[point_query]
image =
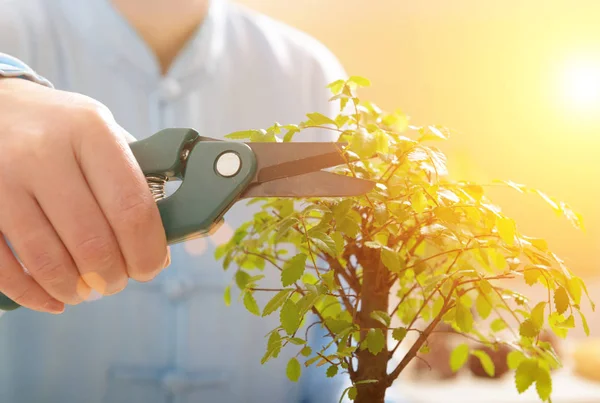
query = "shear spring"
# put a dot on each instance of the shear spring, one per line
(157, 184)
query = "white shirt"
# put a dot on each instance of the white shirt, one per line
(172, 340)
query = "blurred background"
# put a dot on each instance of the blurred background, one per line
(519, 84)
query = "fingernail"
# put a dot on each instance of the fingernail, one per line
(55, 306)
(168, 260)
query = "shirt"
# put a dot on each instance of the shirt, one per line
(172, 340)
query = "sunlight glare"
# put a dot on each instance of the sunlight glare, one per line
(582, 86)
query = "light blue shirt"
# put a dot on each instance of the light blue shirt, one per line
(172, 340)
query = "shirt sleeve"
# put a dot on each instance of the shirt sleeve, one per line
(13, 67)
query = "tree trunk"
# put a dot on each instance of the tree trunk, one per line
(374, 297)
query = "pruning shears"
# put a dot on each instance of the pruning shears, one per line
(215, 174)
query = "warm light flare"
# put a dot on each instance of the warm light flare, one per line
(582, 86)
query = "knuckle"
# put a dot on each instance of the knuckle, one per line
(136, 210)
(46, 267)
(97, 251)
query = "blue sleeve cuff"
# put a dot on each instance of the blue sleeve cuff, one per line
(13, 67)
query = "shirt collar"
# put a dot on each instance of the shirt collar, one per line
(116, 42)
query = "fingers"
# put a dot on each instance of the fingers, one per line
(17, 285)
(122, 193)
(81, 225)
(40, 249)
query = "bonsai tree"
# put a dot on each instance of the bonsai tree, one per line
(418, 252)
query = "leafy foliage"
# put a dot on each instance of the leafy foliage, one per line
(419, 250)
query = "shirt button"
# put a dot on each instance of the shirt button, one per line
(169, 89)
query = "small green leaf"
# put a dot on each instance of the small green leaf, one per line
(543, 384)
(293, 269)
(250, 304)
(241, 279)
(531, 276)
(399, 333)
(574, 287)
(375, 341)
(486, 362)
(352, 393)
(528, 329)
(537, 315)
(324, 242)
(276, 302)
(561, 300)
(320, 119)
(484, 308)
(464, 318)
(293, 370)
(514, 358)
(360, 81)
(244, 134)
(506, 230)
(332, 371)
(306, 351)
(498, 325)
(363, 143)
(584, 323)
(459, 357)
(336, 86)
(227, 295)
(380, 214)
(526, 374)
(381, 317)
(418, 201)
(289, 317)
(391, 260)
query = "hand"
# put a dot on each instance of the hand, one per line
(74, 205)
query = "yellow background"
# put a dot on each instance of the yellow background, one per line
(495, 73)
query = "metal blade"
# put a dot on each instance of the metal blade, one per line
(312, 184)
(281, 160)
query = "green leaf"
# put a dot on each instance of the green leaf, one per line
(332, 371)
(250, 304)
(324, 242)
(227, 295)
(363, 143)
(336, 86)
(381, 317)
(486, 362)
(320, 119)
(526, 374)
(391, 260)
(543, 383)
(284, 226)
(381, 214)
(349, 227)
(289, 317)
(506, 230)
(244, 134)
(459, 357)
(293, 269)
(531, 276)
(537, 315)
(528, 329)
(276, 302)
(432, 133)
(293, 370)
(484, 308)
(568, 323)
(352, 392)
(375, 341)
(241, 279)
(360, 81)
(464, 318)
(554, 320)
(306, 351)
(399, 333)
(584, 323)
(514, 359)
(418, 201)
(561, 300)
(574, 287)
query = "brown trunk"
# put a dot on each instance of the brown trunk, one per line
(374, 297)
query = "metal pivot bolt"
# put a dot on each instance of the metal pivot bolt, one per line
(228, 164)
